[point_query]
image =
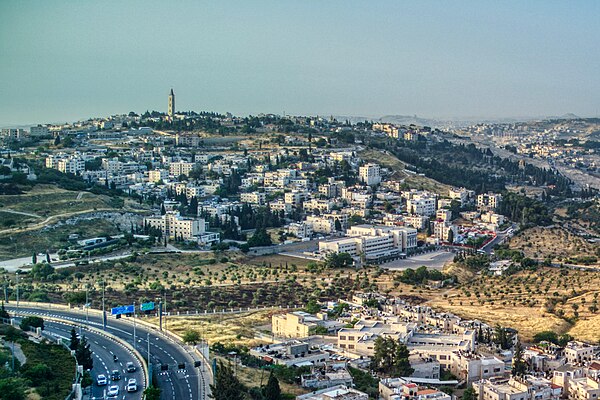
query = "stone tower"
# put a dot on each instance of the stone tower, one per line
(171, 110)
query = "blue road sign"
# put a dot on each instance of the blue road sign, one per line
(147, 306)
(122, 310)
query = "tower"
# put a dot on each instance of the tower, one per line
(171, 110)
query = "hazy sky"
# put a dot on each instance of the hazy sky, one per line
(65, 60)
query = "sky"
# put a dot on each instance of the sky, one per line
(64, 60)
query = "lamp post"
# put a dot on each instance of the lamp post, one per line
(103, 308)
(149, 361)
(134, 325)
(17, 312)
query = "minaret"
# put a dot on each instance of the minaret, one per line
(171, 110)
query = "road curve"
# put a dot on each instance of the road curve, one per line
(175, 383)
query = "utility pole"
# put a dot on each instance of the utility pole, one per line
(103, 308)
(17, 312)
(149, 361)
(134, 325)
(87, 303)
(160, 312)
(165, 306)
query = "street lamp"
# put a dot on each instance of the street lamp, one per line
(17, 312)
(103, 307)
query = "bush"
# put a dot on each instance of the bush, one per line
(32, 322)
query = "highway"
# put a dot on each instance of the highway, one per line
(174, 383)
(103, 350)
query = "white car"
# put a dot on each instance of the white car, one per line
(132, 385)
(113, 391)
(101, 380)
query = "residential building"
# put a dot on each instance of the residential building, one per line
(181, 168)
(488, 201)
(369, 174)
(292, 353)
(253, 198)
(299, 324)
(157, 175)
(340, 392)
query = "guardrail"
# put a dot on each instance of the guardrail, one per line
(165, 333)
(96, 331)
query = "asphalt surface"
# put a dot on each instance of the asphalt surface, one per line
(175, 383)
(103, 351)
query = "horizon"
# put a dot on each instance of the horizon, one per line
(465, 61)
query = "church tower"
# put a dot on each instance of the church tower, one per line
(171, 110)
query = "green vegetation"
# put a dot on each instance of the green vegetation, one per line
(49, 368)
(191, 336)
(338, 260)
(552, 337)
(391, 357)
(421, 275)
(31, 322)
(365, 382)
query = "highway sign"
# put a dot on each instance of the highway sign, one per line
(147, 306)
(122, 310)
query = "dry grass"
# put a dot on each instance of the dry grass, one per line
(529, 301)
(238, 329)
(556, 243)
(397, 167)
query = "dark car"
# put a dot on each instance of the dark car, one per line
(115, 375)
(130, 367)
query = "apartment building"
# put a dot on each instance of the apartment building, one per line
(253, 198)
(579, 352)
(340, 392)
(292, 353)
(66, 163)
(424, 206)
(526, 388)
(401, 389)
(375, 243)
(181, 168)
(298, 324)
(321, 224)
(173, 225)
(300, 230)
(369, 174)
(157, 175)
(460, 194)
(488, 201)
(39, 130)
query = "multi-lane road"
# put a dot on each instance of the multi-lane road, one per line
(175, 383)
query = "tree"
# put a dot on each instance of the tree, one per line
(391, 357)
(32, 322)
(191, 336)
(42, 271)
(519, 365)
(260, 238)
(450, 236)
(548, 336)
(272, 391)
(152, 393)
(469, 394)
(338, 260)
(34, 258)
(74, 344)
(312, 307)
(83, 354)
(3, 313)
(227, 386)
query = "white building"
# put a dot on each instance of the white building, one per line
(340, 392)
(488, 201)
(370, 174)
(181, 168)
(253, 198)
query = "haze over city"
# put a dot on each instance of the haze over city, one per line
(64, 60)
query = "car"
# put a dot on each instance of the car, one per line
(115, 375)
(113, 391)
(131, 385)
(101, 380)
(131, 367)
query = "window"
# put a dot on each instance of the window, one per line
(342, 337)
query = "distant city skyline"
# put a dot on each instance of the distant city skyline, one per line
(64, 61)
